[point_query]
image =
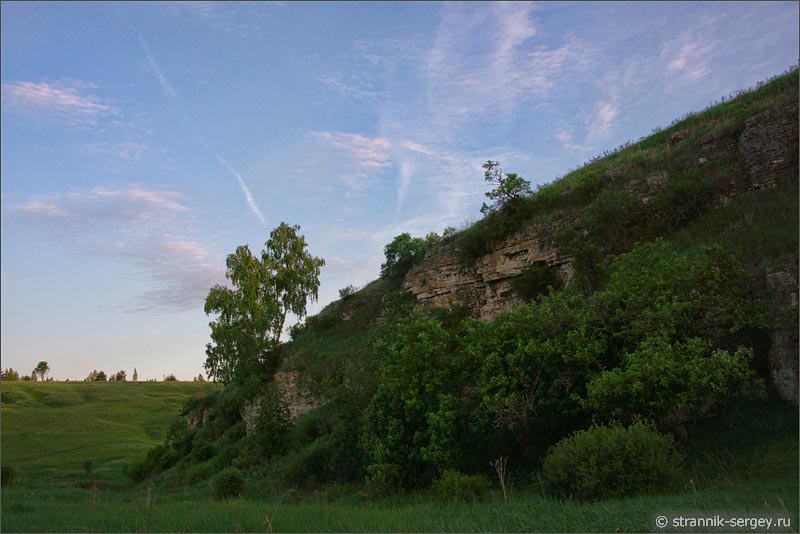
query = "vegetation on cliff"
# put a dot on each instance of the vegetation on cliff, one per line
(660, 334)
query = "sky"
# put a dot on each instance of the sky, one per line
(142, 142)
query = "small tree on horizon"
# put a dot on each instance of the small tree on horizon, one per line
(135, 375)
(41, 369)
(96, 376)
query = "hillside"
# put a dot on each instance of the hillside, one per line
(725, 176)
(638, 313)
(50, 428)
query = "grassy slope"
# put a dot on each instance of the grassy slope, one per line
(50, 428)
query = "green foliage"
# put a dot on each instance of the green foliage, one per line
(587, 259)
(509, 188)
(7, 475)
(403, 253)
(612, 461)
(250, 317)
(228, 483)
(119, 376)
(272, 421)
(534, 362)
(454, 485)
(41, 369)
(96, 376)
(408, 420)
(10, 375)
(347, 291)
(536, 279)
(657, 290)
(673, 383)
(610, 217)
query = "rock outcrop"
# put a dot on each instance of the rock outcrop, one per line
(299, 400)
(782, 287)
(485, 287)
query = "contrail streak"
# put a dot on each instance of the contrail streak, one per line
(163, 81)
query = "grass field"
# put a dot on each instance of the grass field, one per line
(50, 429)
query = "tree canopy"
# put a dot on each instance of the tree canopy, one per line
(509, 187)
(251, 315)
(41, 369)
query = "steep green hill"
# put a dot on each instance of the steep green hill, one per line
(657, 283)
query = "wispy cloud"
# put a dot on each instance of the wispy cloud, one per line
(146, 228)
(66, 100)
(602, 120)
(687, 58)
(224, 16)
(367, 152)
(506, 72)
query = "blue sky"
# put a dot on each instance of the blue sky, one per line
(143, 142)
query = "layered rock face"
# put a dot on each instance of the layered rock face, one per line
(442, 280)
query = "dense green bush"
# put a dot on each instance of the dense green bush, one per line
(610, 217)
(673, 383)
(272, 422)
(411, 421)
(534, 362)
(611, 461)
(227, 483)
(458, 486)
(657, 290)
(403, 253)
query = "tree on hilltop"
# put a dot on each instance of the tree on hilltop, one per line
(508, 187)
(41, 369)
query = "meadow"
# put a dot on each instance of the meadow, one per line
(50, 429)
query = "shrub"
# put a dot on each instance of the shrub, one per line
(272, 421)
(458, 486)
(673, 383)
(403, 253)
(7, 475)
(198, 472)
(382, 479)
(228, 483)
(347, 291)
(404, 424)
(611, 461)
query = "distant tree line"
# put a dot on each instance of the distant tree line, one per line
(43, 368)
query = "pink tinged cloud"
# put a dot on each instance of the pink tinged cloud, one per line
(368, 152)
(65, 99)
